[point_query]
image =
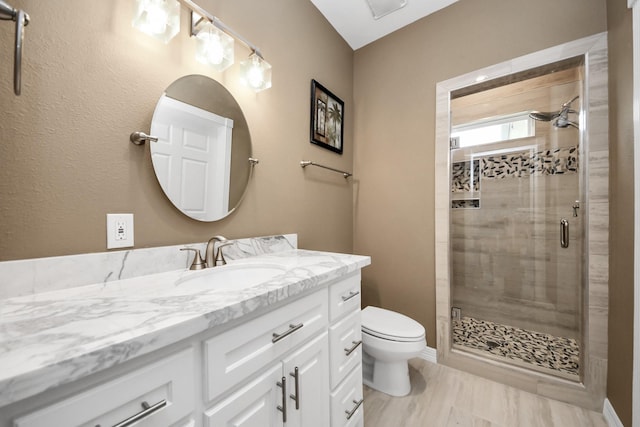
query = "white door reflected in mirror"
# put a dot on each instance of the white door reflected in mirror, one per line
(192, 158)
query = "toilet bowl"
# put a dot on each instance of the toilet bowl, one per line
(389, 340)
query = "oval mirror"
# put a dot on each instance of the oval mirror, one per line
(201, 158)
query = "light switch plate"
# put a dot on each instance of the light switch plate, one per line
(119, 231)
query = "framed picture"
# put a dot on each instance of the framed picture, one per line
(327, 118)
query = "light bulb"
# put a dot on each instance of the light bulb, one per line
(155, 21)
(157, 18)
(215, 53)
(214, 47)
(256, 73)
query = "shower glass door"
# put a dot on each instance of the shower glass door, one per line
(517, 222)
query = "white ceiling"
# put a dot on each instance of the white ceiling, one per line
(354, 21)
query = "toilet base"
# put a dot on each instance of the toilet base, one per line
(391, 378)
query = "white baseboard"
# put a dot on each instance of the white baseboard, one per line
(429, 354)
(610, 415)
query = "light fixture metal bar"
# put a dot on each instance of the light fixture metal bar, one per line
(217, 23)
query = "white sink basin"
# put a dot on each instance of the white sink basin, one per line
(229, 277)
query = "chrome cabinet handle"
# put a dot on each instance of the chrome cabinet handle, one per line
(353, 411)
(283, 408)
(351, 295)
(564, 233)
(296, 397)
(352, 349)
(292, 329)
(146, 411)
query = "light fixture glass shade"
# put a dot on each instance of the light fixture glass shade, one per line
(157, 18)
(214, 47)
(256, 72)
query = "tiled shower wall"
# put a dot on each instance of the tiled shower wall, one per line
(507, 263)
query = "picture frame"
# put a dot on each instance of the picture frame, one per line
(327, 118)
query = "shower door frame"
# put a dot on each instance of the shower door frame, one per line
(635, 398)
(591, 390)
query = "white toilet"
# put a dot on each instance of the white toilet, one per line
(389, 340)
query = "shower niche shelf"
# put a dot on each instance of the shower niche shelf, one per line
(465, 203)
(465, 185)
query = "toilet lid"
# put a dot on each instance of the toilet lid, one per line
(390, 325)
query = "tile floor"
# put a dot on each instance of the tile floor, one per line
(446, 397)
(527, 348)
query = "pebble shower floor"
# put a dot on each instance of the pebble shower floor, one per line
(518, 345)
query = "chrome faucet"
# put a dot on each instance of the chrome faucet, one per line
(212, 261)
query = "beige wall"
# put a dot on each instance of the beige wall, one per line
(394, 95)
(90, 80)
(619, 378)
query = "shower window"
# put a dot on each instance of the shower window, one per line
(495, 129)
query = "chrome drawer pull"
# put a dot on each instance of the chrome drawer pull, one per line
(351, 295)
(146, 411)
(353, 411)
(296, 397)
(352, 349)
(283, 408)
(292, 329)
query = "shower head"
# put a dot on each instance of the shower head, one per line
(543, 116)
(561, 117)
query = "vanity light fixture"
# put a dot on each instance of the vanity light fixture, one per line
(157, 18)
(256, 72)
(161, 18)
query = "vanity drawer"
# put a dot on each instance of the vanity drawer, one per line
(165, 388)
(347, 408)
(345, 347)
(237, 354)
(344, 297)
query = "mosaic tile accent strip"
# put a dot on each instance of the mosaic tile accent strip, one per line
(461, 177)
(521, 165)
(465, 204)
(535, 348)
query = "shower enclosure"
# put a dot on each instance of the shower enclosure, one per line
(516, 227)
(521, 222)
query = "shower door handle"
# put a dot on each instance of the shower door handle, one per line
(564, 233)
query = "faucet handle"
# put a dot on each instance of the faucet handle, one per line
(198, 262)
(219, 260)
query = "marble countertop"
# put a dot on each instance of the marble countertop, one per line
(53, 338)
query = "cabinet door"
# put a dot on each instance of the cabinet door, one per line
(254, 405)
(308, 403)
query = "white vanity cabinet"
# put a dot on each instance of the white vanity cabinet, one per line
(295, 365)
